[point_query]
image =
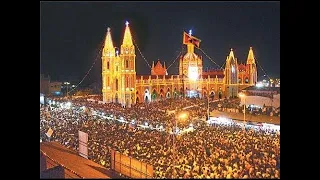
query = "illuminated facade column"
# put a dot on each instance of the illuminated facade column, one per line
(252, 68)
(128, 70)
(231, 76)
(108, 57)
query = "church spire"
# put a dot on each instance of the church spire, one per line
(108, 44)
(127, 39)
(231, 55)
(251, 59)
(108, 41)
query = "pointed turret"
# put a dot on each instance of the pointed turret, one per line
(127, 39)
(231, 75)
(152, 64)
(164, 65)
(252, 67)
(108, 44)
(231, 55)
(251, 59)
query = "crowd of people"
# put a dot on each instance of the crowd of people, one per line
(210, 151)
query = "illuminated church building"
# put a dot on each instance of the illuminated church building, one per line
(121, 84)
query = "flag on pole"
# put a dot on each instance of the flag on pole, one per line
(187, 38)
(49, 132)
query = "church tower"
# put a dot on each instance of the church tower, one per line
(108, 63)
(190, 64)
(231, 75)
(252, 68)
(127, 80)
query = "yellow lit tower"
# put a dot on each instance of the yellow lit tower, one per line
(190, 64)
(128, 70)
(108, 60)
(231, 75)
(252, 68)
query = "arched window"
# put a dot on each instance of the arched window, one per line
(127, 63)
(116, 84)
(108, 65)
(127, 82)
(247, 80)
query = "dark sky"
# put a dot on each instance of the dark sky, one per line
(71, 33)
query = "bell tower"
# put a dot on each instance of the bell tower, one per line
(251, 64)
(127, 79)
(231, 75)
(108, 61)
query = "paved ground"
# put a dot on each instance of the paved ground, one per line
(249, 117)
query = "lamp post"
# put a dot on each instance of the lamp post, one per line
(67, 83)
(242, 95)
(208, 111)
(180, 117)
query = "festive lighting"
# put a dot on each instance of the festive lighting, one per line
(259, 84)
(183, 116)
(193, 73)
(242, 95)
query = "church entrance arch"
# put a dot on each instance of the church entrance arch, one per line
(147, 95)
(154, 95)
(168, 95)
(212, 95)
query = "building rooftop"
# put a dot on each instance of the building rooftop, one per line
(70, 159)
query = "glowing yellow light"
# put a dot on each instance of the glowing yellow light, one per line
(183, 116)
(242, 95)
(193, 73)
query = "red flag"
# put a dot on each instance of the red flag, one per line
(187, 38)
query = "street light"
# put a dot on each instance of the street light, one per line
(67, 83)
(181, 116)
(242, 95)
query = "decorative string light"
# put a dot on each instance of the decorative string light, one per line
(262, 68)
(208, 57)
(101, 47)
(141, 53)
(174, 60)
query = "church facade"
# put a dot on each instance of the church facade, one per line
(121, 84)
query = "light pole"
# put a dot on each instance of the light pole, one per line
(67, 83)
(208, 111)
(180, 117)
(242, 95)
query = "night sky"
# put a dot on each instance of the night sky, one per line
(72, 33)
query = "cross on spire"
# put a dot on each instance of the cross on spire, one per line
(190, 32)
(127, 23)
(108, 29)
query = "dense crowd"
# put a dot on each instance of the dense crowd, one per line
(215, 151)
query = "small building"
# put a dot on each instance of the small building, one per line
(55, 88)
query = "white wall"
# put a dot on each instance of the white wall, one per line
(259, 101)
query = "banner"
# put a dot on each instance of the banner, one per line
(49, 132)
(187, 38)
(83, 144)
